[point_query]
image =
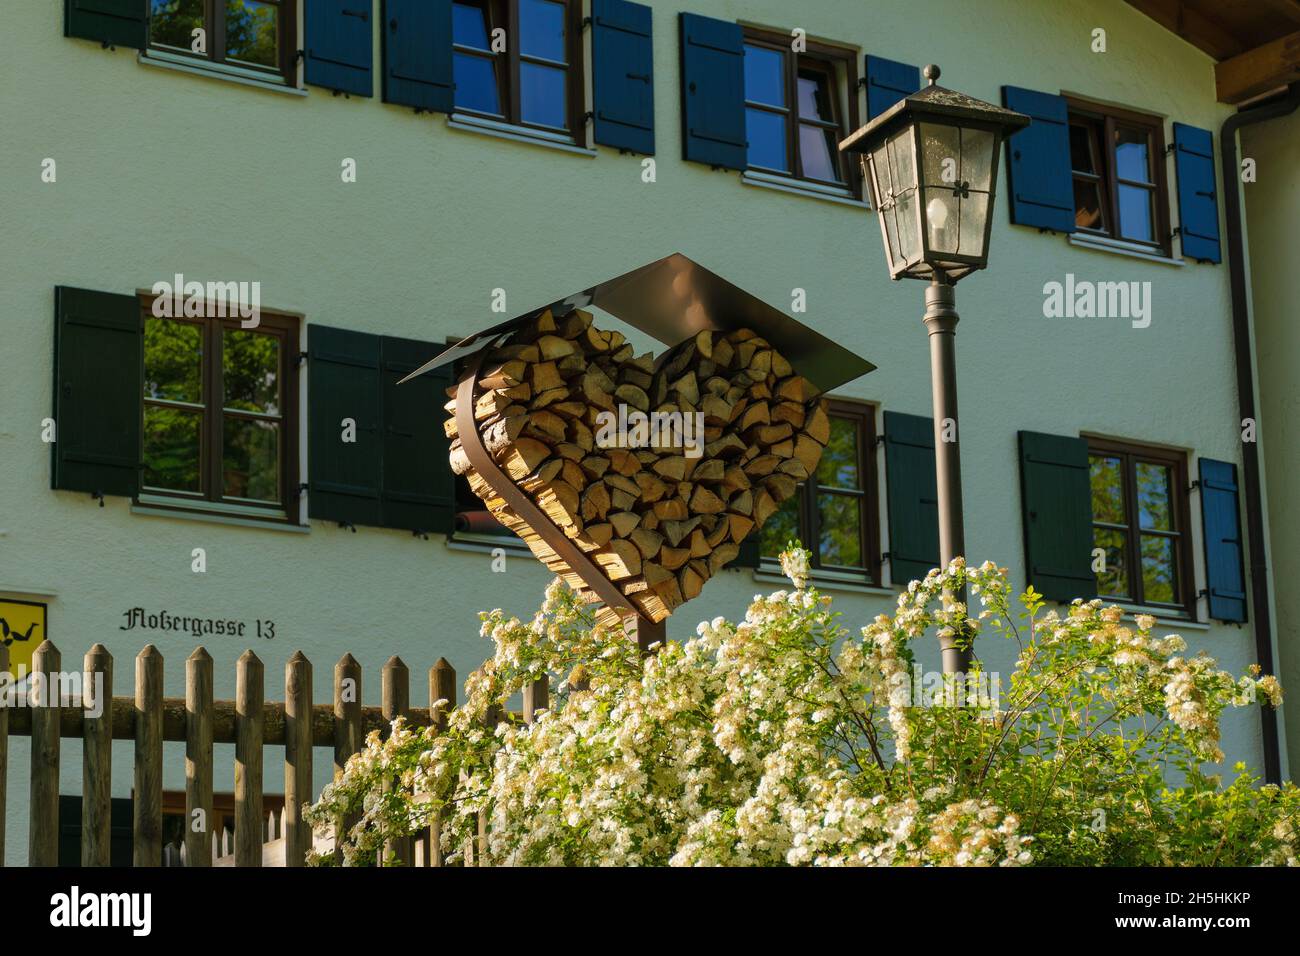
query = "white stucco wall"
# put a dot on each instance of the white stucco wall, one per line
(1272, 205)
(160, 173)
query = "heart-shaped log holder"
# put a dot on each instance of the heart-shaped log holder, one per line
(640, 529)
(582, 450)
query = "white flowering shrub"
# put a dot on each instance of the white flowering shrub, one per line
(787, 738)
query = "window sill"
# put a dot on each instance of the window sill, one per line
(798, 187)
(518, 134)
(486, 544)
(161, 507)
(770, 574)
(1120, 247)
(1165, 617)
(217, 71)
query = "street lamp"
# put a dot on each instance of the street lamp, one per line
(931, 165)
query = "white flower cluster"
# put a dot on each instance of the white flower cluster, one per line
(780, 739)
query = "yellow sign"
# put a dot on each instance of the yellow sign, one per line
(22, 628)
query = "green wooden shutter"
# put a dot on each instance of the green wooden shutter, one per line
(913, 496)
(98, 384)
(121, 823)
(713, 92)
(112, 22)
(1225, 572)
(418, 487)
(751, 551)
(1057, 501)
(343, 381)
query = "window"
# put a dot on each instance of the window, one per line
(1118, 166)
(220, 406)
(835, 515)
(536, 80)
(256, 35)
(1140, 522)
(794, 118)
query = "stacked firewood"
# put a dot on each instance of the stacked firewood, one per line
(656, 520)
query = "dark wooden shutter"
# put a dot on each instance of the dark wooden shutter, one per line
(418, 487)
(339, 45)
(713, 92)
(121, 833)
(98, 389)
(1198, 202)
(1225, 576)
(913, 496)
(115, 22)
(1057, 501)
(751, 550)
(622, 53)
(417, 54)
(343, 381)
(1038, 165)
(888, 81)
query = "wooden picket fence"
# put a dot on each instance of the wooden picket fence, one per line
(249, 722)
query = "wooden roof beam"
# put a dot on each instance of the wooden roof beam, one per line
(1192, 25)
(1257, 71)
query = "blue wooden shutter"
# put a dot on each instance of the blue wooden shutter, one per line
(1038, 166)
(343, 381)
(622, 53)
(1198, 203)
(888, 81)
(418, 487)
(417, 54)
(115, 22)
(713, 92)
(1225, 576)
(339, 45)
(913, 496)
(1056, 496)
(98, 389)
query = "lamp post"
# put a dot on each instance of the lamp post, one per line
(931, 166)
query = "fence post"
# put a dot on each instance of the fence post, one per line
(97, 758)
(537, 696)
(395, 701)
(347, 723)
(198, 759)
(442, 687)
(4, 755)
(43, 825)
(148, 757)
(297, 758)
(490, 721)
(250, 693)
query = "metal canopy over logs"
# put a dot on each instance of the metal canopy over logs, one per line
(674, 299)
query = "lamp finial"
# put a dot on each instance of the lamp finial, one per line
(931, 73)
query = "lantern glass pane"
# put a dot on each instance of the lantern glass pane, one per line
(909, 246)
(884, 181)
(942, 218)
(974, 220)
(940, 154)
(977, 150)
(901, 152)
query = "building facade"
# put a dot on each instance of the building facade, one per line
(382, 178)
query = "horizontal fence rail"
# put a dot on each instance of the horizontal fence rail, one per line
(249, 722)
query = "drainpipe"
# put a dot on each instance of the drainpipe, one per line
(1241, 340)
